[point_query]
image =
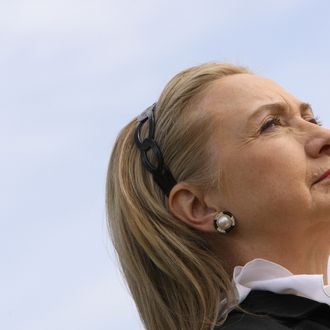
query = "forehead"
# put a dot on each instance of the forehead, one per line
(241, 94)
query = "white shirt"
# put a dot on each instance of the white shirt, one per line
(261, 274)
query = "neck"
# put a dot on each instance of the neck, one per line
(309, 256)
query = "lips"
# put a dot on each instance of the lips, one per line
(323, 176)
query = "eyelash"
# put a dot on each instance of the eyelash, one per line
(276, 120)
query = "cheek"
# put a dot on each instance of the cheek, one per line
(267, 181)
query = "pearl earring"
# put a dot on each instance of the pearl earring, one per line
(224, 222)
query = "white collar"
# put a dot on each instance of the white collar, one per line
(261, 274)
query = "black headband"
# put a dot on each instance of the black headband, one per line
(159, 170)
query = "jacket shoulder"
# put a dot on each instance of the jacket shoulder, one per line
(237, 320)
(271, 311)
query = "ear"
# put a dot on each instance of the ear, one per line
(188, 205)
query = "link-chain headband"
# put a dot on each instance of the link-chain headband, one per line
(159, 171)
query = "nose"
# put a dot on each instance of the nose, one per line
(318, 142)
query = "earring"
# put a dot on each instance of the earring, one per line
(224, 222)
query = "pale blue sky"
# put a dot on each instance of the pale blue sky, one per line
(72, 73)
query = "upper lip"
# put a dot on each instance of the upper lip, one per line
(323, 176)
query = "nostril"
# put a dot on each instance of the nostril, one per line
(325, 149)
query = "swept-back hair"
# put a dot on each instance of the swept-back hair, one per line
(175, 278)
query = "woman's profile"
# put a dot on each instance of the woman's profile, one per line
(218, 199)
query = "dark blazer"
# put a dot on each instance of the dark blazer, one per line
(281, 312)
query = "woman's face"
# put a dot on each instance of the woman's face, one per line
(271, 152)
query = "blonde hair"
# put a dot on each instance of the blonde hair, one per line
(176, 280)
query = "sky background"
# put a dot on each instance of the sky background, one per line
(72, 74)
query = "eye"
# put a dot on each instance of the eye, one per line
(315, 121)
(272, 122)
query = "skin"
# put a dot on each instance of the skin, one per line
(268, 174)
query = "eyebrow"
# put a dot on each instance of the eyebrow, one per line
(281, 107)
